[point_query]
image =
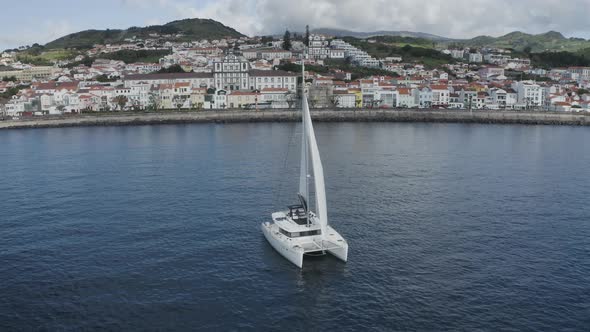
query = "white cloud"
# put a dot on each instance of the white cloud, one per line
(452, 18)
(449, 18)
(48, 31)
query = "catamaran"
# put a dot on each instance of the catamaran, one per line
(298, 231)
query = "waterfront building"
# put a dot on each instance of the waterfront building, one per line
(529, 94)
(440, 95)
(231, 73)
(195, 79)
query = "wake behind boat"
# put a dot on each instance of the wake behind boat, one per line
(298, 231)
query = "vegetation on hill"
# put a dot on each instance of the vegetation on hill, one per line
(549, 41)
(344, 33)
(188, 29)
(6, 95)
(559, 59)
(129, 56)
(431, 58)
(40, 56)
(403, 41)
(356, 72)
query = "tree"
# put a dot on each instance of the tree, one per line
(527, 50)
(266, 39)
(121, 101)
(313, 102)
(291, 99)
(104, 78)
(287, 41)
(335, 101)
(306, 40)
(179, 101)
(348, 61)
(172, 69)
(154, 103)
(9, 79)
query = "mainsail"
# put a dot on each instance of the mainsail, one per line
(310, 149)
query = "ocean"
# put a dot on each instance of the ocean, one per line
(450, 226)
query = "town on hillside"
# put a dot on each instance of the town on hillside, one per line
(157, 73)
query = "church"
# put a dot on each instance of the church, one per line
(234, 72)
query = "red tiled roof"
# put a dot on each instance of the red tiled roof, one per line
(243, 93)
(274, 90)
(404, 91)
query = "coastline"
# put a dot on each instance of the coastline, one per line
(245, 116)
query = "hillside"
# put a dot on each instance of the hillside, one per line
(413, 51)
(517, 40)
(191, 29)
(549, 41)
(348, 33)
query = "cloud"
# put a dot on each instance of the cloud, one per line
(452, 18)
(49, 30)
(449, 18)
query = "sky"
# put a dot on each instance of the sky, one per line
(25, 22)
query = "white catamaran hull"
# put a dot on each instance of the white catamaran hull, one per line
(294, 255)
(294, 249)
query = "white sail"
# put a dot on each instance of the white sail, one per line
(304, 170)
(316, 164)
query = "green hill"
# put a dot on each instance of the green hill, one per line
(190, 29)
(549, 41)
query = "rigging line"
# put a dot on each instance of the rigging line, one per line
(278, 191)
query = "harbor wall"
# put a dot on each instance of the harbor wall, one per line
(241, 116)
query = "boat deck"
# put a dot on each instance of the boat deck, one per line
(315, 246)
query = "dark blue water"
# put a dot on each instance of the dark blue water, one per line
(451, 227)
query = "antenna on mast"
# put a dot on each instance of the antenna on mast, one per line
(303, 66)
(304, 56)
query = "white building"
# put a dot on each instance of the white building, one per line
(489, 72)
(344, 99)
(425, 97)
(582, 72)
(457, 54)
(272, 79)
(475, 57)
(336, 53)
(407, 98)
(231, 73)
(440, 95)
(529, 94)
(318, 46)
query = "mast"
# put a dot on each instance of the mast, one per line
(304, 169)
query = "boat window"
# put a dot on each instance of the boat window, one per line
(311, 233)
(299, 234)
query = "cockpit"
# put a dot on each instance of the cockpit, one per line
(298, 214)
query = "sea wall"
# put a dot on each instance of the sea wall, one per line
(445, 116)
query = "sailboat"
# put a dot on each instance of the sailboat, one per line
(298, 231)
